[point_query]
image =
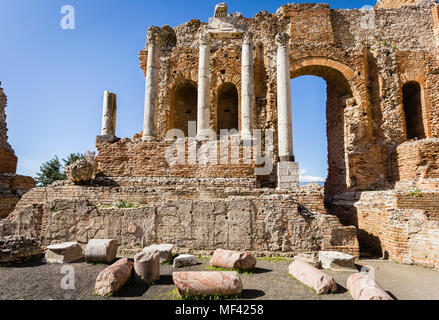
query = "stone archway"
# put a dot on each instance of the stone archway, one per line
(227, 107)
(348, 118)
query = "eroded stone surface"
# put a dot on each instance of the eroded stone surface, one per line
(64, 252)
(147, 266)
(82, 170)
(233, 260)
(184, 260)
(111, 279)
(312, 277)
(164, 249)
(336, 260)
(363, 287)
(101, 250)
(207, 283)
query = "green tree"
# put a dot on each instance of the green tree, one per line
(53, 170)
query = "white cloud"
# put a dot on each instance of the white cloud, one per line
(303, 177)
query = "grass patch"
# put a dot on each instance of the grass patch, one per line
(416, 193)
(240, 271)
(125, 205)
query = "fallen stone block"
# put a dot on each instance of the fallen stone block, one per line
(312, 277)
(147, 266)
(111, 279)
(101, 250)
(362, 287)
(208, 283)
(64, 252)
(336, 260)
(164, 249)
(311, 258)
(184, 260)
(233, 260)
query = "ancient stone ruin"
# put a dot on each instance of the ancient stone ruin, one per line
(12, 186)
(204, 79)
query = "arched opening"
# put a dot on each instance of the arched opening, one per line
(414, 122)
(338, 92)
(183, 106)
(227, 107)
(309, 128)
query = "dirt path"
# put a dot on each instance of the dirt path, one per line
(270, 280)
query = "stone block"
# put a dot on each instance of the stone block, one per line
(101, 250)
(64, 252)
(362, 287)
(147, 266)
(233, 260)
(336, 261)
(164, 249)
(208, 283)
(111, 279)
(184, 260)
(312, 277)
(288, 175)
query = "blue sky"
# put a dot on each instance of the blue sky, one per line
(55, 78)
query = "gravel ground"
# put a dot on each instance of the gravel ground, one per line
(270, 281)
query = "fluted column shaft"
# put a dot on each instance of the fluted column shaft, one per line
(203, 105)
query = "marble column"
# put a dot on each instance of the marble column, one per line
(287, 169)
(284, 118)
(151, 87)
(247, 87)
(109, 114)
(203, 105)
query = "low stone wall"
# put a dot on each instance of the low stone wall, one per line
(401, 226)
(12, 187)
(17, 249)
(239, 219)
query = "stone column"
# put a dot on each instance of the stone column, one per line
(151, 88)
(247, 87)
(109, 114)
(203, 105)
(287, 170)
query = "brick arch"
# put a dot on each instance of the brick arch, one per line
(183, 106)
(235, 112)
(419, 78)
(349, 122)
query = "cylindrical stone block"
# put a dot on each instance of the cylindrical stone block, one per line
(285, 127)
(312, 277)
(362, 287)
(109, 110)
(147, 266)
(233, 260)
(208, 283)
(111, 279)
(247, 87)
(203, 106)
(101, 250)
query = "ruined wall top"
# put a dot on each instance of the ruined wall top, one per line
(387, 4)
(3, 129)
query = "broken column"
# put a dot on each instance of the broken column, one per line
(287, 170)
(151, 88)
(247, 87)
(111, 279)
(207, 283)
(203, 108)
(109, 109)
(233, 260)
(312, 277)
(147, 266)
(362, 287)
(101, 250)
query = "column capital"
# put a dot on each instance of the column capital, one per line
(151, 36)
(247, 38)
(204, 38)
(282, 39)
